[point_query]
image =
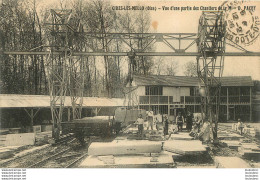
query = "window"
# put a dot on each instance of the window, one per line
(153, 90)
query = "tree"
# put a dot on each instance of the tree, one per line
(164, 66)
(137, 22)
(190, 69)
(21, 30)
(171, 69)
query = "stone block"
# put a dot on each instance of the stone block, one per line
(124, 147)
(183, 147)
(230, 162)
(20, 139)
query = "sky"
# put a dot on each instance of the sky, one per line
(186, 21)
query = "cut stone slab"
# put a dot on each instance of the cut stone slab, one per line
(45, 128)
(156, 138)
(251, 155)
(129, 161)
(124, 147)
(251, 146)
(229, 136)
(121, 138)
(248, 147)
(4, 131)
(2, 140)
(250, 151)
(197, 166)
(107, 159)
(20, 139)
(232, 144)
(181, 136)
(14, 130)
(256, 165)
(173, 155)
(194, 147)
(249, 131)
(230, 162)
(37, 129)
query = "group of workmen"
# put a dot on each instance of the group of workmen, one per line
(152, 120)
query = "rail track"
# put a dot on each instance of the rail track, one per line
(62, 154)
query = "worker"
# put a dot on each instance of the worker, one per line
(240, 126)
(179, 121)
(196, 127)
(165, 125)
(56, 132)
(150, 119)
(189, 121)
(197, 124)
(157, 121)
(140, 123)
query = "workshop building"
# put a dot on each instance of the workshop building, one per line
(170, 94)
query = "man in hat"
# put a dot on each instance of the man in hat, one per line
(189, 121)
(179, 121)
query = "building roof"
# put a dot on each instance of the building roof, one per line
(165, 80)
(43, 101)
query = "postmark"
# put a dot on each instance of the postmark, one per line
(242, 22)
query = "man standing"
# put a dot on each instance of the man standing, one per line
(179, 121)
(150, 119)
(189, 121)
(165, 125)
(140, 123)
(240, 126)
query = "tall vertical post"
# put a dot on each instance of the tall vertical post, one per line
(211, 41)
(64, 72)
(250, 104)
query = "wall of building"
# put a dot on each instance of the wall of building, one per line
(235, 102)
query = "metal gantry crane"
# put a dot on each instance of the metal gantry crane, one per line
(69, 46)
(211, 42)
(65, 72)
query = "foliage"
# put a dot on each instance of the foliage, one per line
(190, 69)
(23, 28)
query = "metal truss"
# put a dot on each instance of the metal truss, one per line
(64, 71)
(211, 42)
(69, 46)
(174, 44)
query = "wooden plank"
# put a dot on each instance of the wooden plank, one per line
(230, 162)
(124, 147)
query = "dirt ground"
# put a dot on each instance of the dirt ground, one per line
(202, 161)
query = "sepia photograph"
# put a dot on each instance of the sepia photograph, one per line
(129, 84)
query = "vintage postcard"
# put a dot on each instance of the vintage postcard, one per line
(129, 84)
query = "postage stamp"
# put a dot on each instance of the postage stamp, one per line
(242, 22)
